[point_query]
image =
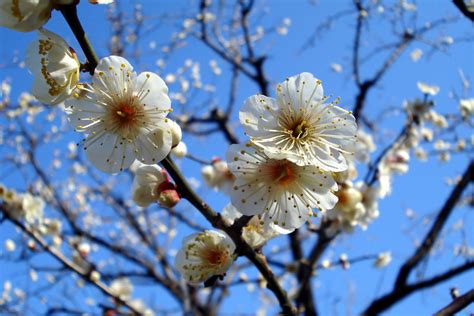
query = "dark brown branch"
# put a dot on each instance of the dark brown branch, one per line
(385, 302)
(429, 240)
(401, 287)
(70, 14)
(305, 297)
(457, 305)
(461, 5)
(307, 266)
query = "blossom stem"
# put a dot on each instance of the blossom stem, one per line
(70, 14)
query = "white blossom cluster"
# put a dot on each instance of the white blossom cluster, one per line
(296, 141)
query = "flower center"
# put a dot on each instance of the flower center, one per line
(282, 172)
(300, 129)
(215, 256)
(125, 117)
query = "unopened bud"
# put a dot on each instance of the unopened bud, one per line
(84, 249)
(168, 195)
(180, 150)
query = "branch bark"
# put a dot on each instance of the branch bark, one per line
(461, 5)
(457, 305)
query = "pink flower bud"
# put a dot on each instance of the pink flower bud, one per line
(168, 195)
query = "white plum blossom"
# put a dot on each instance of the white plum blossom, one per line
(357, 206)
(122, 288)
(277, 190)
(383, 259)
(24, 15)
(437, 119)
(10, 245)
(254, 233)
(145, 184)
(218, 176)
(395, 161)
(349, 208)
(416, 54)
(370, 197)
(418, 107)
(362, 147)
(55, 67)
(203, 255)
(427, 89)
(299, 124)
(141, 307)
(25, 206)
(124, 116)
(466, 106)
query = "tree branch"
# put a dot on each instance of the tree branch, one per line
(461, 5)
(457, 305)
(429, 240)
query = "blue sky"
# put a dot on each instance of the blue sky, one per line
(423, 189)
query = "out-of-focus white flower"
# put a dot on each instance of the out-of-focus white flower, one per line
(326, 264)
(383, 259)
(55, 67)
(461, 145)
(10, 245)
(427, 89)
(418, 107)
(282, 30)
(343, 260)
(203, 255)
(362, 147)
(444, 156)
(218, 176)
(254, 233)
(145, 184)
(278, 190)
(336, 67)
(447, 40)
(437, 119)
(427, 134)
(300, 125)
(32, 207)
(441, 145)
(180, 150)
(122, 288)
(421, 154)
(395, 161)
(412, 138)
(407, 6)
(84, 249)
(416, 54)
(466, 106)
(357, 206)
(141, 307)
(349, 207)
(33, 275)
(52, 226)
(124, 116)
(24, 15)
(95, 276)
